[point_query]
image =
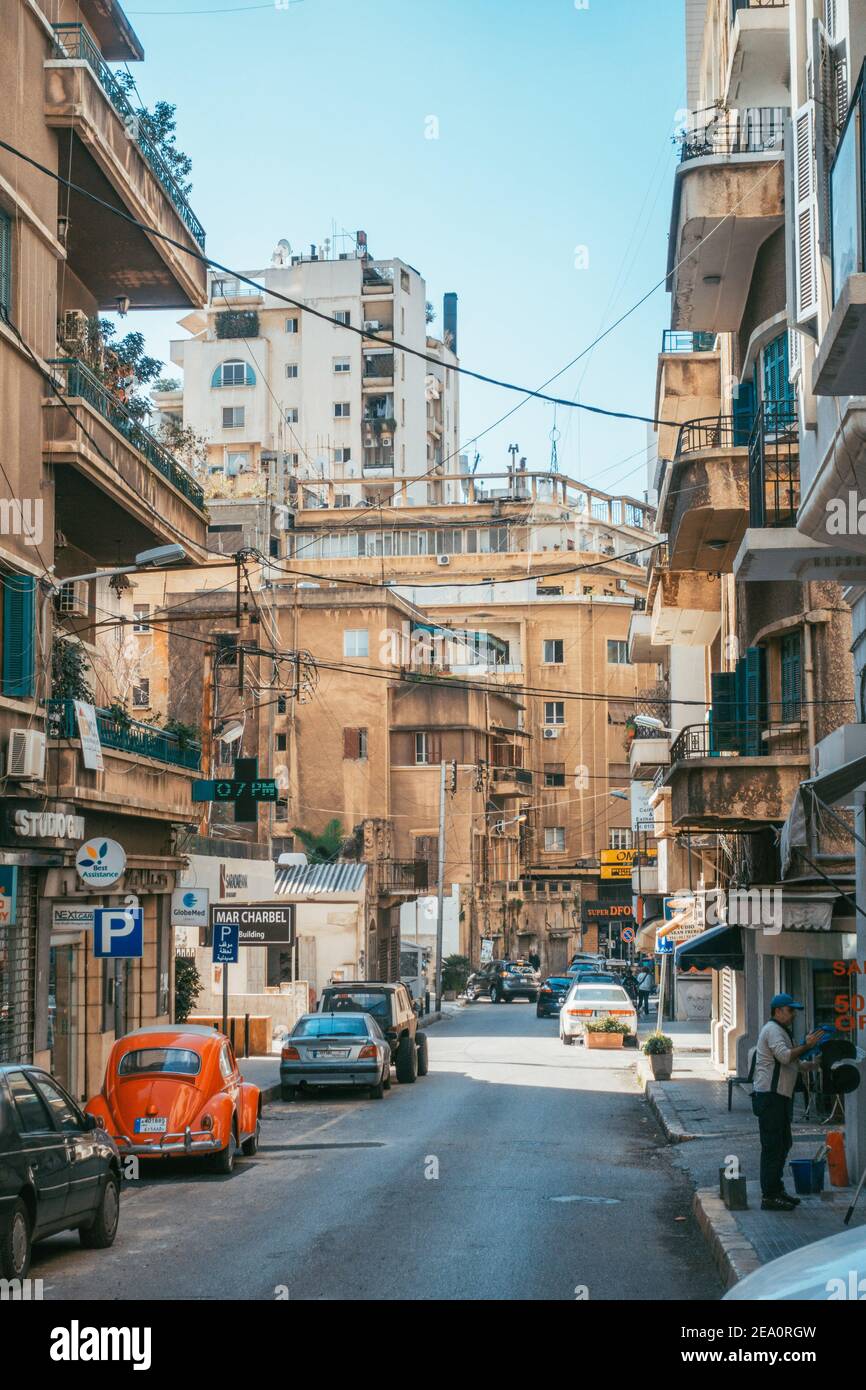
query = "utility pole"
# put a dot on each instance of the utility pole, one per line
(440, 891)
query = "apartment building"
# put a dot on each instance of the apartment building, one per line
(750, 601)
(86, 488)
(299, 381)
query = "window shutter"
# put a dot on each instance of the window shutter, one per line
(19, 636)
(805, 217)
(744, 406)
(795, 356)
(351, 743)
(5, 261)
(434, 748)
(723, 712)
(752, 700)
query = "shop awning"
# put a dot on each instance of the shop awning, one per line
(829, 789)
(712, 950)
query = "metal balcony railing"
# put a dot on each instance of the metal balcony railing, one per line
(711, 432)
(403, 876)
(750, 131)
(774, 465)
(512, 774)
(74, 42)
(737, 5)
(127, 736)
(675, 341)
(79, 381)
(737, 738)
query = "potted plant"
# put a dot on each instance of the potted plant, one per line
(660, 1050)
(606, 1033)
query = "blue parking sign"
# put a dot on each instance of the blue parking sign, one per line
(118, 933)
(226, 942)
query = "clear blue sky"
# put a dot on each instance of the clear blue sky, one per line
(554, 134)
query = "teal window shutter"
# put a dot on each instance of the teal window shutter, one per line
(5, 262)
(791, 682)
(744, 408)
(19, 636)
(723, 712)
(752, 700)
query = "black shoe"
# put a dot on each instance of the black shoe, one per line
(789, 1197)
(777, 1204)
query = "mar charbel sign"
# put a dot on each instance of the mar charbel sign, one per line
(100, 862)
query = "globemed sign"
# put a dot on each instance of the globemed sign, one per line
(189, 907)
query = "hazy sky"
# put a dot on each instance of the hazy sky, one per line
(544, 201)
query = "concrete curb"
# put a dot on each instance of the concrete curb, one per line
(272, 1092)
(658, 1102)
(733, 1253)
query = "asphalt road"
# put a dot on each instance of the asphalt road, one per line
(517, 1169)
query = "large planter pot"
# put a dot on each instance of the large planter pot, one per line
(606, 1041)
(662, 1064)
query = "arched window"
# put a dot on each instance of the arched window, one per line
(234, 373)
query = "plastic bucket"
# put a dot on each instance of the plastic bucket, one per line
(808, 1175)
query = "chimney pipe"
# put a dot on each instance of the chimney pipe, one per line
(449, 318)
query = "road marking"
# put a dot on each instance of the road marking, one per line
(594, 1201)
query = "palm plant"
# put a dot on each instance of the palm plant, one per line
(324, 847)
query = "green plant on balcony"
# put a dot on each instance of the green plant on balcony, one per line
(325, 847)
(237, 323)
(187, 735)
(120, 364)
(161, 130)
(119, 716)
(69, 666)
(182, 441)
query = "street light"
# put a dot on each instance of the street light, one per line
(145, 559)
(647, 721)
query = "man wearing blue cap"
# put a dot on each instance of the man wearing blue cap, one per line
(777, 1066)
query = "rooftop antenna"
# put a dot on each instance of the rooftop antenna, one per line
(555, 436)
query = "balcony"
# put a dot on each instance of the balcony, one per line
(378, 368)
(114, 480)
(728, 198)
(647, 753)
(107, 149)
(147, 771)
(716, 786)
(640, 643)
(512, 782)
(402, 876)
(774, 466)
(687, 608)
(704, 499)
(759, 58)
(840, 365)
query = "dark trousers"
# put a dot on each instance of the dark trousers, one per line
(643, 1001)
(774, 1114)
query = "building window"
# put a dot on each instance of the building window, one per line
(342, 500)
(791, 667)
(423, 752)
(293, 325)
(233, 417)
(19, 636)
(342, 455)
(404, 281)
(355, 744)
(292, 371)
(281, 810)
(233, 373)
(554, 839)
(342, 364)
(280, 742)
(777, 389)
(617, 653)
(141, 614)
(292, 415)
(5, 262)
(282, 704)
(237, 463)
(554, 711)
(356, 642)
(141, 693)
(553, 651)
(619, 838)
(343, 316)
(554, 774)
(342, 410)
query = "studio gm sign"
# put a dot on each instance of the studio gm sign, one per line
(100, 862)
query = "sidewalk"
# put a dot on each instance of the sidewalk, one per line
(692, 1110)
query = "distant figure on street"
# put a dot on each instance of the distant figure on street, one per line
(645, 983)
(534, 960)
(777, 1064)
(630, 985)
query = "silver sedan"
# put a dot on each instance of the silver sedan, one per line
(336, 1049)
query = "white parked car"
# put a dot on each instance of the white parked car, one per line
(586, 1002)
(828, 1270)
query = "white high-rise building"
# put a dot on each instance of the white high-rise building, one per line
(298, 399)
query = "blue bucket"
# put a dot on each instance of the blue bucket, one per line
(808, 1175)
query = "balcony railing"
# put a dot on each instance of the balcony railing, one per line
(675, 341)
(774, 466)
(403, 876)
(712, 432)
(750, 131)
(737, 5)
(513, 774)
(73, 41)
(738, 738)
(127, 736)
(381, 365)
(79, 381)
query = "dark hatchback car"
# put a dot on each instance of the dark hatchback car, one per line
(58, 1170)
(552, 994)
(504, 980)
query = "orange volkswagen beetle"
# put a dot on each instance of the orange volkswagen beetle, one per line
(171, 1092)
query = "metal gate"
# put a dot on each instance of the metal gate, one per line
(727, 1004)
(18, 974)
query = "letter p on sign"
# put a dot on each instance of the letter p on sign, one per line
(118, 933)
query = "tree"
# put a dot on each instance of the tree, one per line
(323, 848)
(160, 127)
(121, 364)
(187, 988)
(429, 312)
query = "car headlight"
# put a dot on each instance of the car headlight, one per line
(207, 1121)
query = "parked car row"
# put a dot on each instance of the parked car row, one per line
(360, 1029)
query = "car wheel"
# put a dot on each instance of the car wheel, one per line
(377, 1092)
(539, 1013)
(288, 1092)
(407, 1061)
(224, 1161)
(15, 1244)
(471, 996)
(250, 1147)
(387, 1075)
(103, 1228)
(494, 995)
(423, 1054)
(506, 998)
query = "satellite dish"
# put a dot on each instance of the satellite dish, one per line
(282, 253)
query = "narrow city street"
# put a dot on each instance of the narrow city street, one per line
(517, 1169)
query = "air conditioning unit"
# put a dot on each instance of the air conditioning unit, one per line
(74, 325)
(443, 559)
(72, 600)
(551, 733)
(25, 756)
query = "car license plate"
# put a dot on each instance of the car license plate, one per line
(331, 1052)
(151, 1124)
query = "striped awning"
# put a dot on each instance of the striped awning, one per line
(340, 879)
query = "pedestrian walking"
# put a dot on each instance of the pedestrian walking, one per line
(645, 983)
(630, 984)
(777, 1066)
